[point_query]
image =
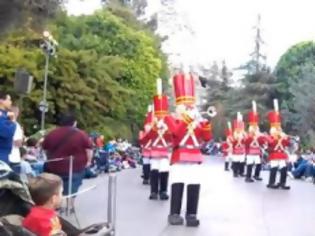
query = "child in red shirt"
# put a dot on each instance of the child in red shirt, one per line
(46, 191)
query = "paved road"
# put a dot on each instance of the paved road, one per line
(228, 207)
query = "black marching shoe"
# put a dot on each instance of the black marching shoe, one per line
(192, 221)
(273, 186)
(153, 196)
(284, 187)
(249, 180)
(164, 196)
(175, 219)
(258, 178)
(145, 182)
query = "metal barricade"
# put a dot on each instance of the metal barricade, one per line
(111, 198)
(111, 207)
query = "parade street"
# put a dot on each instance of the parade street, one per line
(228, 207)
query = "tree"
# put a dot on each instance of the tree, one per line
(258, 84)
(290, 66)
(302, 119)
(217, 92)
(257, 63)
(16, 13)
(260, 87)
(292, 69)
(105, 71)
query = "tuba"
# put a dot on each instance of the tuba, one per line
(211, 112)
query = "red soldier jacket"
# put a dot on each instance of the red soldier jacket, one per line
(239, 147)
(145, 144)
(226, 148)
(253, 145)
(276, 148)
(186, 139)
(160, 142)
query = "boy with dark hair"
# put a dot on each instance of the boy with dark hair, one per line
(46, 191)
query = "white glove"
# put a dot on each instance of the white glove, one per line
(147, 127)
(161, 124)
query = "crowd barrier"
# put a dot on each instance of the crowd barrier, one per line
(111, 197)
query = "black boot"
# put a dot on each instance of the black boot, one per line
(257, 173)
(241, 169)
(272, 178)
(283, 178)
(248, 178)
(154, 182)
(193, 191)
(226, 166)
(163, 185)
(174, 217)
(235, 168)
(146, 173)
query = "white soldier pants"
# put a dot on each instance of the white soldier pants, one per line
(253, 159)
(278, 163)
(188, 173)
(228, 158)
(162, 165)
(146, 160)
(238, 158)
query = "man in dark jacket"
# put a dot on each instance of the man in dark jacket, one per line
(62, 143)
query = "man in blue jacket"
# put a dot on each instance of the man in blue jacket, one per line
(7, 127)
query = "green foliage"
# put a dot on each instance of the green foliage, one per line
(295, 72)
(217, 94)
(302, 119)
(260, 87)
(34, 13)
(105, 71)
(289, 68)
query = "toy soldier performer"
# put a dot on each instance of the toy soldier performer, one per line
(189, 130)
(227, 146)
(161, 139)
(145, 144)
(254, 143)
(277, 143)
(239, 150)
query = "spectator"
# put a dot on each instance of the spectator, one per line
(33, 151)
(26, 170)
(15, 156)
(63, 142)
(46, 192)
(110, 147)
(7, 127)
(303, 166)
(33, 155)
(99, 141)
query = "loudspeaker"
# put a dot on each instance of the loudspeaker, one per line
(23, 82)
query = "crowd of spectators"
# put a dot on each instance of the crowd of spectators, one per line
(114, 155)
(90, 155)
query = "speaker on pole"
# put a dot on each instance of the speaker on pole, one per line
(23, 82)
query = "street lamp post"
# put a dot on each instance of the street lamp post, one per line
(49, 48)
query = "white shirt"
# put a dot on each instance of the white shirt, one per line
(15, 156)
